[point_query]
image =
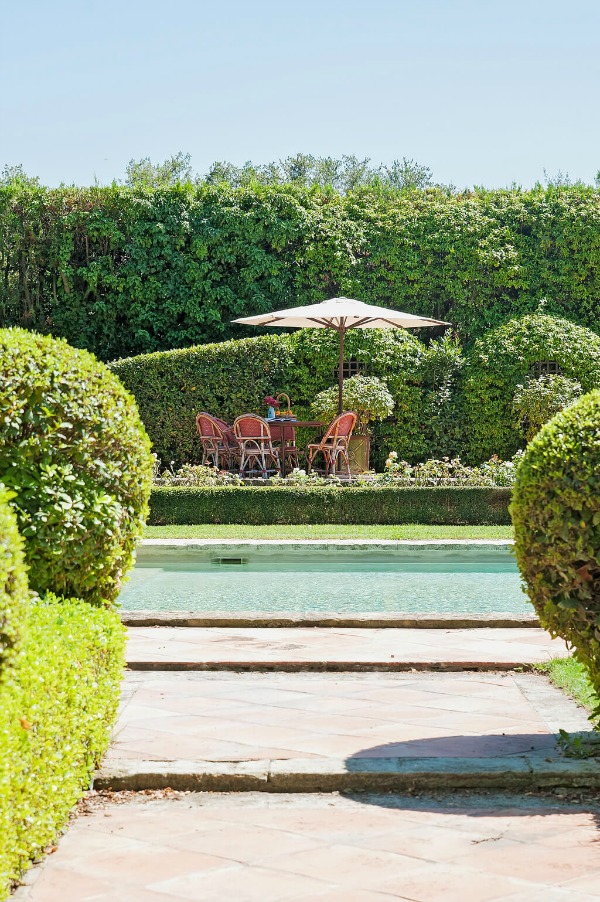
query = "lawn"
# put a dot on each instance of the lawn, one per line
(572, 677)
(406, 531)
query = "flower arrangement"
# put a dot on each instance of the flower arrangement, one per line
(270, 401)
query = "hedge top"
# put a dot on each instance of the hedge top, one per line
(13, 580)
(556, 514)
(74, 452)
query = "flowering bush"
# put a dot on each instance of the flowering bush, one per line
(192, 475)
(449, 471)
(301, 477)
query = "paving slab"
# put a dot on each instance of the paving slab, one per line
(336, 731)
(260, 848)
(302, 648)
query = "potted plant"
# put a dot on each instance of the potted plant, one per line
(370, 400)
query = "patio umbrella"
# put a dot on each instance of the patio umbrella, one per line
(340, 314)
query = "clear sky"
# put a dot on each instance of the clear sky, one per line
(485, 92)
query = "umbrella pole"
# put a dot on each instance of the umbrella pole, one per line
(342, 332)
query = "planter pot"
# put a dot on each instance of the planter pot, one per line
(358, 453)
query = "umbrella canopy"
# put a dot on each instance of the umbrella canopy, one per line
(340, 314)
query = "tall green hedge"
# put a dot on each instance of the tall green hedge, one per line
(503, 358)
(124, 271)
(58, 701)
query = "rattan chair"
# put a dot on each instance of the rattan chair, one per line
(257, 450)
(334, 444)
(219, 445)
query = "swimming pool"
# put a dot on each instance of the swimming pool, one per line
(321, 577)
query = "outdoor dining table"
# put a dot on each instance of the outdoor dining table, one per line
(284, 431)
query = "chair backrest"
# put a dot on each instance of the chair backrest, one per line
(227, 431)
(341, 427)
(209, 427)
(251, 426)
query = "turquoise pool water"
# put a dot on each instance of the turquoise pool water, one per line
(304, 585)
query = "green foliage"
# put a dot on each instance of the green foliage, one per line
(367, 396)
(124, 270)
(327, 504)
(57, 705)
(539, 399)
(556, 514)
(503, 359)
(13, 582)
(74, 452)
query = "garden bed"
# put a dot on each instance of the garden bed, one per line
(352, 504)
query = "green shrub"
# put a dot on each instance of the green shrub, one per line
(57, 705)
(367, 396)
(74, 452)
(538, 400)
(327, 504)
(556, 514)
(122, 271)
(503, 359)
(13, 581)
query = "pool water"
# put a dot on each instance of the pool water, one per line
(298, 585)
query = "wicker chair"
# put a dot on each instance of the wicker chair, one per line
(334, 443)
(256, 446)
(219, 445)
(283, 436)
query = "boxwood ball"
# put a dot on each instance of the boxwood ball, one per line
(556, 515)
(76, 455)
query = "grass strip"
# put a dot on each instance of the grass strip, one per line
(404, 531)
(572, 677)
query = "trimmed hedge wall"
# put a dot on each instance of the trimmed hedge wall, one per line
(57, 705)
(124, 271)
(257, 505)
(14, 592)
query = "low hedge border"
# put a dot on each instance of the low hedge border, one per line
(436, 505)
(58, 701)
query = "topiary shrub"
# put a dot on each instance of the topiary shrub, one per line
(504, 359)
(74, 452)
(538, 400)
(13, 581)
(556, 515)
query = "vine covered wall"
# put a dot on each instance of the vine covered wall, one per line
(123, 271)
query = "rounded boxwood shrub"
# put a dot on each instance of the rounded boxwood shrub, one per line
(75, 453)
(556, 515)
(503, 359)
(13, 580)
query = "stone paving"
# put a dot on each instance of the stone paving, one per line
(234, 647)
(241, 717)
(260, 848)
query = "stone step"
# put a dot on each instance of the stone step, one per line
(337, 649)
(322, 732)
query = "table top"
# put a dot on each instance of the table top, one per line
(301, 424)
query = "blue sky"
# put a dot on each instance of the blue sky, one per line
(483, 91)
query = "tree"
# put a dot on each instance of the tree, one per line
(145, 173)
